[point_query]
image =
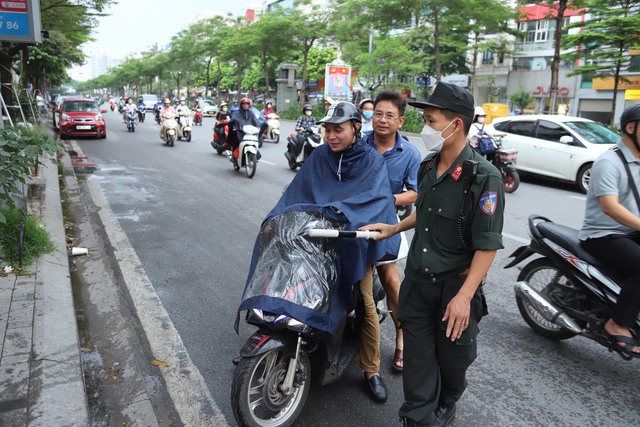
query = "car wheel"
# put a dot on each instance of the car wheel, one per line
(583, 178)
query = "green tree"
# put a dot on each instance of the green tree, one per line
(611, 29)
(521, 98)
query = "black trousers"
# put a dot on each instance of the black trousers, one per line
(621, 253)
(434, 372)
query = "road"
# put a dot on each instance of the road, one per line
(182, 223)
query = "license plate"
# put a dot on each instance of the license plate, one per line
(83, 127)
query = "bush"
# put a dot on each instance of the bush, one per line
(295, 111)
(36, 239)
(412, 121)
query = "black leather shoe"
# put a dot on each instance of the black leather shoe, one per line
(445, 414)
(377, 387)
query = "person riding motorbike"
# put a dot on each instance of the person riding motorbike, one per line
(242, 117)
(183, 108)
(306, 120)
(611, 227)
(129, 106)
(223, 117)
(166, 109)
(140, 103)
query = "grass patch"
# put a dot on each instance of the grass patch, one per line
(37, 240)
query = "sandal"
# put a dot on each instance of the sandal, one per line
(398, 360)
(626, 344)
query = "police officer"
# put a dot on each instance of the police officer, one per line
(458, 225)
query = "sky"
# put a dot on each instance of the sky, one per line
(136, 25)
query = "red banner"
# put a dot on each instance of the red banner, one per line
(14, 6)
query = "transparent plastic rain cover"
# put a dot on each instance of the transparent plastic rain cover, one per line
(300, 269)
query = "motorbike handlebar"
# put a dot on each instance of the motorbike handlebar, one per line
(333, 234)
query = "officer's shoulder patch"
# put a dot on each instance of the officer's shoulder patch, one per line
(488, 202)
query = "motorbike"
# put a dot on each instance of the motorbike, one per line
(300, 146)
(131, 120)
(185, 122)
(505, 161)
(246, 155)
(157, 111)
(197, 118)
(112, 106)
(272, 132)
(220, 135)
(567, 292)
(120, 108)
(278, 362)
(169, 129)
(142, 114)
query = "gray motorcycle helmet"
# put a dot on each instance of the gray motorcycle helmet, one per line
(340, 113)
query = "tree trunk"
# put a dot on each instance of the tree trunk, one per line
(266, 74)
(303, 89)
(436, 40)
(219, 78)
(615, 93)
(239, 88)
(473, 64)
(555, 64)
(208, 78)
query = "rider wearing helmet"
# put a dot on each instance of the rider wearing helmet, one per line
(306, 120)
(478, 129)
(242, 117)
(366, 109)
(223, 113)
(610, 231)
(354, 182)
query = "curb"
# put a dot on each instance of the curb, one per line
(59, 392)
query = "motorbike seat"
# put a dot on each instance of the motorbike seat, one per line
(568, 238)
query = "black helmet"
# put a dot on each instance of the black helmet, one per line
(630, 114)
(364, 101)
(340, 113)
(307, 107)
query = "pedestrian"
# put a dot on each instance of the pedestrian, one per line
(366, 109)
(458, 225)
(402, 160)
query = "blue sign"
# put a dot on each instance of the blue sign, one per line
(14, 24)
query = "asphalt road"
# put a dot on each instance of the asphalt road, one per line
(191, 220)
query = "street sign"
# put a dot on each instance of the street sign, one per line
(337, 84)
(20, 21)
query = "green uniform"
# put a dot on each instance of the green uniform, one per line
(434, 367)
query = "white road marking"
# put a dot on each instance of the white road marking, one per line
(185, 384)
(583, 198)
(516, 238)
(267, 162)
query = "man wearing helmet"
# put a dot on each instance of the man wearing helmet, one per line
(306, 119)
(353, 178)
(242, 117)
(611, 227)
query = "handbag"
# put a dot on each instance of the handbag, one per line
(485, 143)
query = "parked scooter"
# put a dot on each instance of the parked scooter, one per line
(131, 120)
(567, 292)
(169, 129)
(185, 122)
(272, 133)
(300, 146)
(505, 160)
(273, 377)
(246, 155)
(197, 118)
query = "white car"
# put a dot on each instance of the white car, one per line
(561, 147)
(208, 107)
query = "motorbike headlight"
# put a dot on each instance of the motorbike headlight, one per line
(65, 117)
(98, 117)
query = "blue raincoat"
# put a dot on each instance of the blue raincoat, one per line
(348, 190)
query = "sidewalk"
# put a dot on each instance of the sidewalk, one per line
(41, 378)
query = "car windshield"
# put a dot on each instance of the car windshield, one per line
(81, 107)
(593, 132)
(206, 102)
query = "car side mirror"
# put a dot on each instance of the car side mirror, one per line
(566, 139)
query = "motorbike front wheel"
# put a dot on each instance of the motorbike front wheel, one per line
(172, 140)
(545, 278)
(275, 137)
(250, 164)
(510, 181)
(256, 395)
(187, 136)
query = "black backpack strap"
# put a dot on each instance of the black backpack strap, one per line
(632, 182)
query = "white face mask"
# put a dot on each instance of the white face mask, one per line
(308, 113)
(481, 119)
(433, 139)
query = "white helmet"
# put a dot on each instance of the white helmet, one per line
(479, 111)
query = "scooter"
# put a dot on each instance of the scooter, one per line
(169, 129)
(220, 136)
(157, 111)
(112, 106)
(567, 292)
(131, 120)
(246, 155)
(299, 262)
(197, 118)
(185, 125)
(300, 146)
(272, 132)
(505, 160)
(142, 114)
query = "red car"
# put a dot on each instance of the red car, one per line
(81, 117)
